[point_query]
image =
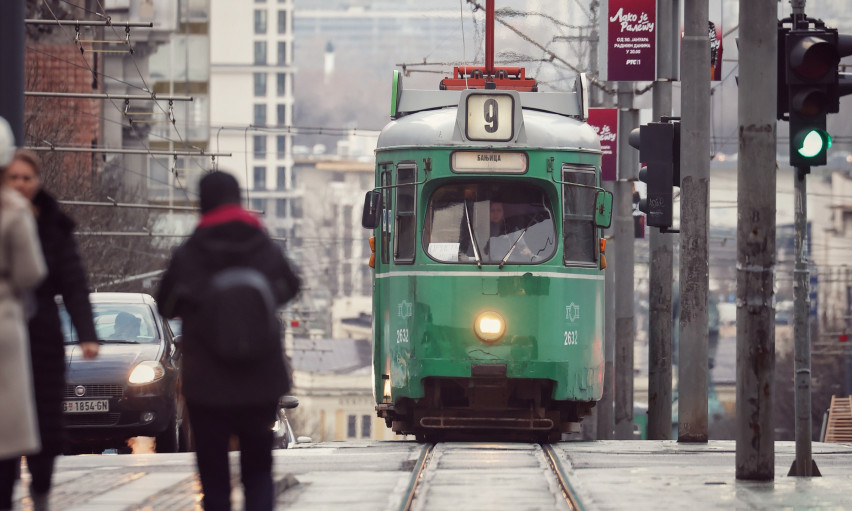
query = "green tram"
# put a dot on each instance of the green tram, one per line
(488, 291)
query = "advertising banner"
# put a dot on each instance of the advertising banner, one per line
(605, 123)
(715, 33)
(629, 34)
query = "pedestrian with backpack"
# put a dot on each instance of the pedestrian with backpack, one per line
(226, 282)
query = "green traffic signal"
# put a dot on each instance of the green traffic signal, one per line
(812, 143)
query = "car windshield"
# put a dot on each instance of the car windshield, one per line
(176, 325)
(116, 323)
(488, 223)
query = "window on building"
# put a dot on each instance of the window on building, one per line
(258, 205)
(281, 115)
(260, 21)
(260, 178)
(260, 84)
(260, 115)
(282, 22)
(282, 53)
(296, 208)
(406, 222)
(281, 208)
(347, 231)
(281, 146)
(260, 52)
(366, 423)
(281, 178)
(259, 146)
(281, 89)
(351, 426)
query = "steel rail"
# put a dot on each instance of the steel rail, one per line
(558, 470)
(416, 472)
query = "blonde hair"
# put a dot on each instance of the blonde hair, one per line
(29, 158)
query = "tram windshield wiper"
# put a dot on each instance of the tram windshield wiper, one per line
(512, 248)
(472, 236)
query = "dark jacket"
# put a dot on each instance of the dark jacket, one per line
(66, 276)
(227, 236)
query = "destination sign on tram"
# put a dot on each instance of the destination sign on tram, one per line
(497, 162)
(490, 117)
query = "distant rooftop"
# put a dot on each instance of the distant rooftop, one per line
(338, 356)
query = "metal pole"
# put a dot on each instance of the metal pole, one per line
(756, 173)
(12, 64)
(606, 422)
(623, 237)
(694, 225)
(660, 270)
(84, 23)
(199, 152)
(803, 465)
(660, 307)
(89, 95)
(489, 37)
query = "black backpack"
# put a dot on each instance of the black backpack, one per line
(238, 315)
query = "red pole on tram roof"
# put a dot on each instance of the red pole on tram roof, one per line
(489, 38)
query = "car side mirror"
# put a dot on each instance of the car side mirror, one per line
(178, 342)
(288, 402)
(603, 209)
(372, 210)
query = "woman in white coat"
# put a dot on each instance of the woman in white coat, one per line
(22, 267)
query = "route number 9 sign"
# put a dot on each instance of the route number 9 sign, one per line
(490, 117)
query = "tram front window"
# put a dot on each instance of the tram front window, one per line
(510, 223)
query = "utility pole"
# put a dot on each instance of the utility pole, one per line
(694, 225)
(623, 236)
(661, 258)
(12, 66)
(756, 175)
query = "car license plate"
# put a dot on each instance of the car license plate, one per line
(86, 406)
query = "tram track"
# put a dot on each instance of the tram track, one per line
(522, 471)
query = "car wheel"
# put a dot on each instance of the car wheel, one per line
(168, 440)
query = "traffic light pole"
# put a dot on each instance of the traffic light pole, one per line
(803, 465)
(660, 260)
(12, 64)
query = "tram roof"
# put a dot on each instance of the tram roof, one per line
(438, 127)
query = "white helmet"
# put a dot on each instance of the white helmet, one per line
(7, 143)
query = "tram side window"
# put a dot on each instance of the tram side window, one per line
(387, 207)
(578, 206)
(406, 221)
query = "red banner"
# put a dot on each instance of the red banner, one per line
(715, 33)
(631, 40)
(605, 123)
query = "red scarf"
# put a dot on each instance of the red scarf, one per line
(228, 213)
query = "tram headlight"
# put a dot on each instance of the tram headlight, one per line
(489, 326)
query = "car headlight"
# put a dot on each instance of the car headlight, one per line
(147, 372)
(489, 326)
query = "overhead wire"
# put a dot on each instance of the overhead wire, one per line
(111, 100)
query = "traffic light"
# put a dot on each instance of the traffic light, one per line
(814, 86)
(659, 150)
